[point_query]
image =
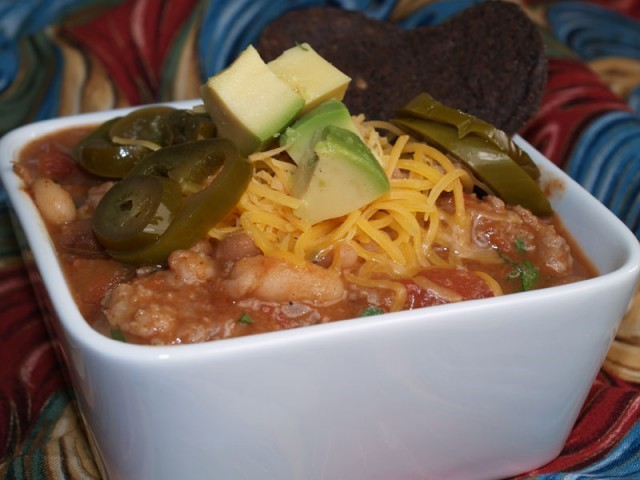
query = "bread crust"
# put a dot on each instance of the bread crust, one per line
(489, 60)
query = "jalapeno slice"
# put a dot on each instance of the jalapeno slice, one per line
(117, 145)
(97, 154)
(189, 126)
(147, 124)
(218, 158)
(493, 166)
(136, 211)
(190, 164)
(426, 107)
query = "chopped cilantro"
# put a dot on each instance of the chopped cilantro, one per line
(526, 271)
(521, 245)
(529, 275)
(117, 334)
(370, 311)
(245, 318)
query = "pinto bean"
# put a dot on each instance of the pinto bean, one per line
(234, 247)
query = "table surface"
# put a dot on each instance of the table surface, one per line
(68, 56)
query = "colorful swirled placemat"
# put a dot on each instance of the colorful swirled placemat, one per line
(62, 57)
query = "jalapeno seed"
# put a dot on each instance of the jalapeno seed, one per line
(136, 211)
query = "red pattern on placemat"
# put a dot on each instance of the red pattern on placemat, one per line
(573, 98)
(604, 420)
(29, 370)
(154, 26)
(630, 8)
(132, 41)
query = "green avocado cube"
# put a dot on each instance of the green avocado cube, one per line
(309, 74)
(343, 176)
(302, 135)
(248, 103)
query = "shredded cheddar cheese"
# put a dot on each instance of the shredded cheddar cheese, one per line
(394, 235)
(135, 141)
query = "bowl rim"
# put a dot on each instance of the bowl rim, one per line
(78, 330)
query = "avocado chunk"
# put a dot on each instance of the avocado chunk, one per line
(302, 135)
(342, 176)
(310, 75)
(248, 103)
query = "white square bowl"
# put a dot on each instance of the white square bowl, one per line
(477, 390)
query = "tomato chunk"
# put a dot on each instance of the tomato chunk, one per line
(445, 285)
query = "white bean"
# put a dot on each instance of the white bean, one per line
(275, 280)
(53, 201)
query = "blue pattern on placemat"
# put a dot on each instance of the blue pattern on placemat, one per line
(621, 462)
(229, 26)
(634, 99)
(19, 19)
(606, 157)
(606, 161)
(593, 31)
(35, 446)
(50, 105)
(436, 12)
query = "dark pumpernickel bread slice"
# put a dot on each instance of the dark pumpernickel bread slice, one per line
(489, 60)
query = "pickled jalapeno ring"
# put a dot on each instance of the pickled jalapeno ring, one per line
(97, 154)
(494, 167)
(218, 158)
(500, 164)
(427, 108)
(190, 164)
(136, 211)
(190, 126)
(117, 145)
(146, 125)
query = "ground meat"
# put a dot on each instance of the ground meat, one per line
(94, 195)
(163, 308)
(196, 299)
(517, 231)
